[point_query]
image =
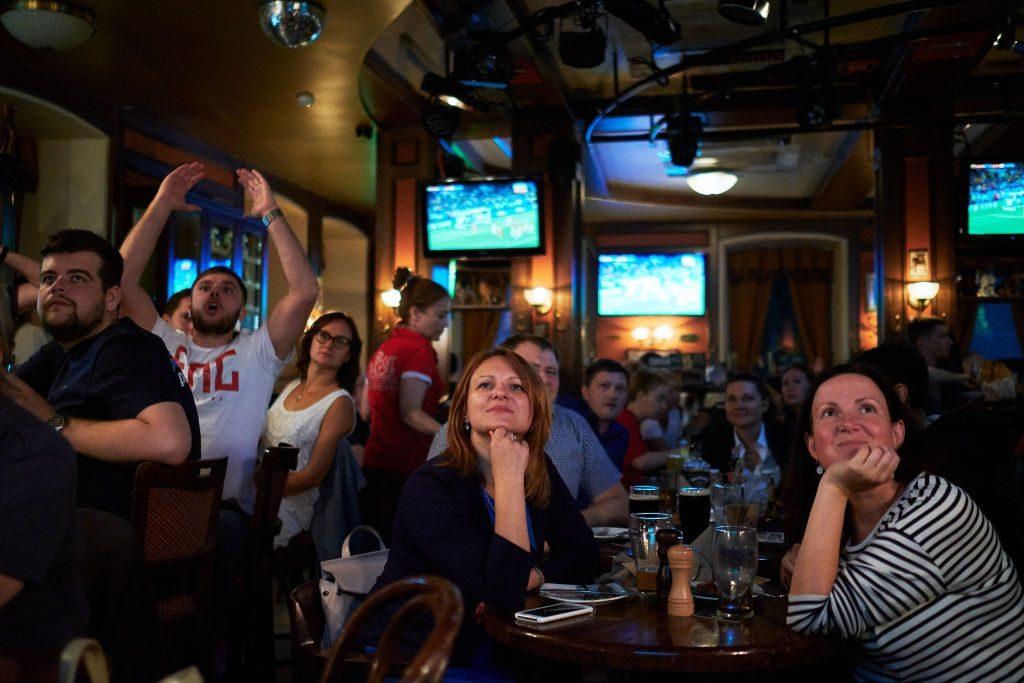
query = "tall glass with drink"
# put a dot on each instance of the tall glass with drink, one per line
(644, 498)
(734, 561)
(694, 511)
(643, 532)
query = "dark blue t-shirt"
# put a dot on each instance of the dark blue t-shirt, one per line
(114, 375)
(39, 539)
(615, 439)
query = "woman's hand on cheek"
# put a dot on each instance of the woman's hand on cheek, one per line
(869, 467)
(508, 458)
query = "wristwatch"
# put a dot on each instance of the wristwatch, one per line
(58, 423)
(269, 216)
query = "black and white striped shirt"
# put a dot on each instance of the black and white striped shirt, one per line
(929, 594)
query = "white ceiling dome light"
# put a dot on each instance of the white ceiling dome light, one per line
(711, 181)
(47, 25)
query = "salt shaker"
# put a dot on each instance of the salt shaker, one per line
(666, 538)
(680, 598)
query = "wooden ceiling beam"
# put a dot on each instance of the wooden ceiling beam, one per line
(851, 178)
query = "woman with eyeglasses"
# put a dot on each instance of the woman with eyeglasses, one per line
(314, 413)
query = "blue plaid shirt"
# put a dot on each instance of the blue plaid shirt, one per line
(574, 450)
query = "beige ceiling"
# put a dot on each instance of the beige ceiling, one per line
(206, 69)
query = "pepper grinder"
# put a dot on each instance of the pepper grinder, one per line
(680, 598)
(666, 538)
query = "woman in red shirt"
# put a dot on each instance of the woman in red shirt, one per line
(648, 399)
(403, 388)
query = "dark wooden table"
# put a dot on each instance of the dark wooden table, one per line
(638, 635)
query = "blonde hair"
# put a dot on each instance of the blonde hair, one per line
(460, 453)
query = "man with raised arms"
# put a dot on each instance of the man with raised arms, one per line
(231, 373)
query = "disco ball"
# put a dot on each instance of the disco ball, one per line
(292, 24)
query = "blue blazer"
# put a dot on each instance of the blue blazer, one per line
(443, 528)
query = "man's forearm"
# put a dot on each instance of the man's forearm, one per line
(610, 511)
(124, 441)
(298, 274)
(27, 267)
(141, 241)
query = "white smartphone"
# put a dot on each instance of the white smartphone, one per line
(542, 615)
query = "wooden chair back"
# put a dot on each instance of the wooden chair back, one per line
(433, 594)
(306, 614)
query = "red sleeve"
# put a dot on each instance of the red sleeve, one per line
(420, 360)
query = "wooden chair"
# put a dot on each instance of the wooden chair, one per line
(431, 594)
(271, 473)
(306, 614)
(174, 512)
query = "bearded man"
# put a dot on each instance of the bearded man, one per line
(104, 384)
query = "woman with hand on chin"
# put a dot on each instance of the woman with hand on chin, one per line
(491, 513)
(900, 561)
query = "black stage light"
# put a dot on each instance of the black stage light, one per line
(657, 25)
(746, 12)
(817, 107)
(481, 65)
(440, 120)
(684, 131)
(582, 49)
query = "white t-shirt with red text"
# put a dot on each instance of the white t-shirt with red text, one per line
(232, 386)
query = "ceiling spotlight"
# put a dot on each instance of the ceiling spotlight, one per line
(48, 25)
(290, 23)
(684, 131)
(657, 25)
(304, 99)
(711, 181)
(441, 120)
(481, 65)
(746, 12)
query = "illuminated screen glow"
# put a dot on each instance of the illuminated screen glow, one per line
(651, 284)
(491, 216)
(995, 203)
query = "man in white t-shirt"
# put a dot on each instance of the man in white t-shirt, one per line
(232, 374)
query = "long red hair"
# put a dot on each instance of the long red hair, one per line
(460, 453)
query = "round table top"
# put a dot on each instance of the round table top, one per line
(638, 634)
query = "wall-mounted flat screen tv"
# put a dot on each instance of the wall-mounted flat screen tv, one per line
(492, 217)
(995, 199)
(651, 284)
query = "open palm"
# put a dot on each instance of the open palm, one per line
(177, 184)
(257, 189)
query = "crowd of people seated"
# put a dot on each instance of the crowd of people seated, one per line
(900, 512)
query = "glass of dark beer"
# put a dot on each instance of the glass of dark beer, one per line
(694, 511)
(644, 498)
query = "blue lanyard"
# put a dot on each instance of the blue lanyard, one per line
(489, 504)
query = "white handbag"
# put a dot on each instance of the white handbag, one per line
(347, 579)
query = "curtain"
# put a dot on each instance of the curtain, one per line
(478, 331)
(750, 289)
(809, 274)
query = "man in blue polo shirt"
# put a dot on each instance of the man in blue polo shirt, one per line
(605, 388)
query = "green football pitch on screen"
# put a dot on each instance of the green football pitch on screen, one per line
(518, 231)
(996, 220)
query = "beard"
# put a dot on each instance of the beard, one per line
(73, 326)
(217, 326)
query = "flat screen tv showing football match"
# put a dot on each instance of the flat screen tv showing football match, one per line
(482, 218)
(995, 202)
(651, 284)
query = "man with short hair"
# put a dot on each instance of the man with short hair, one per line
(573, 448)
(104, 384)
(231, 374)
(930, 337)
(178, 312)
(605, 388)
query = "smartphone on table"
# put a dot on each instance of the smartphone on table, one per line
(548, 613)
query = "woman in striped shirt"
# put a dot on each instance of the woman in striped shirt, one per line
(903, 563)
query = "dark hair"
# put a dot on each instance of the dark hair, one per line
(603, 365)
(800, 480)
(74, 241)
(802, 367)
(172, 304)
(762, 388)
(901, 364)
(922, 327)
(223, 270)
(348, 373)
(646, 380)
(416, 291)
(515, 340)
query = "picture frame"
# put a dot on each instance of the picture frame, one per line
(920, 269)
(481, 289)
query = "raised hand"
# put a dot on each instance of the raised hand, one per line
(257, 189)
(869, 467)
(177, 184)
(509, 456)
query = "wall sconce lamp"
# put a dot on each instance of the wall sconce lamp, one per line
(540, 298)
(641, 334)
(662, 334)
(391, 298)
(921, 294)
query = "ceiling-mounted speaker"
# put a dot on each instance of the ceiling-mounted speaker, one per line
(746, 12)
(440, 120)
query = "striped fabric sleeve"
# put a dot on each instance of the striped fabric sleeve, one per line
(888, 579)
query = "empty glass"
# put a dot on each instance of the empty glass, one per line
(734, 561)
(736, 504)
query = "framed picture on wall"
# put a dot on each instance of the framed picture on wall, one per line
(919, 269)
(481, 289)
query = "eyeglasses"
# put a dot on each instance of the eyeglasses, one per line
(338, 342)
